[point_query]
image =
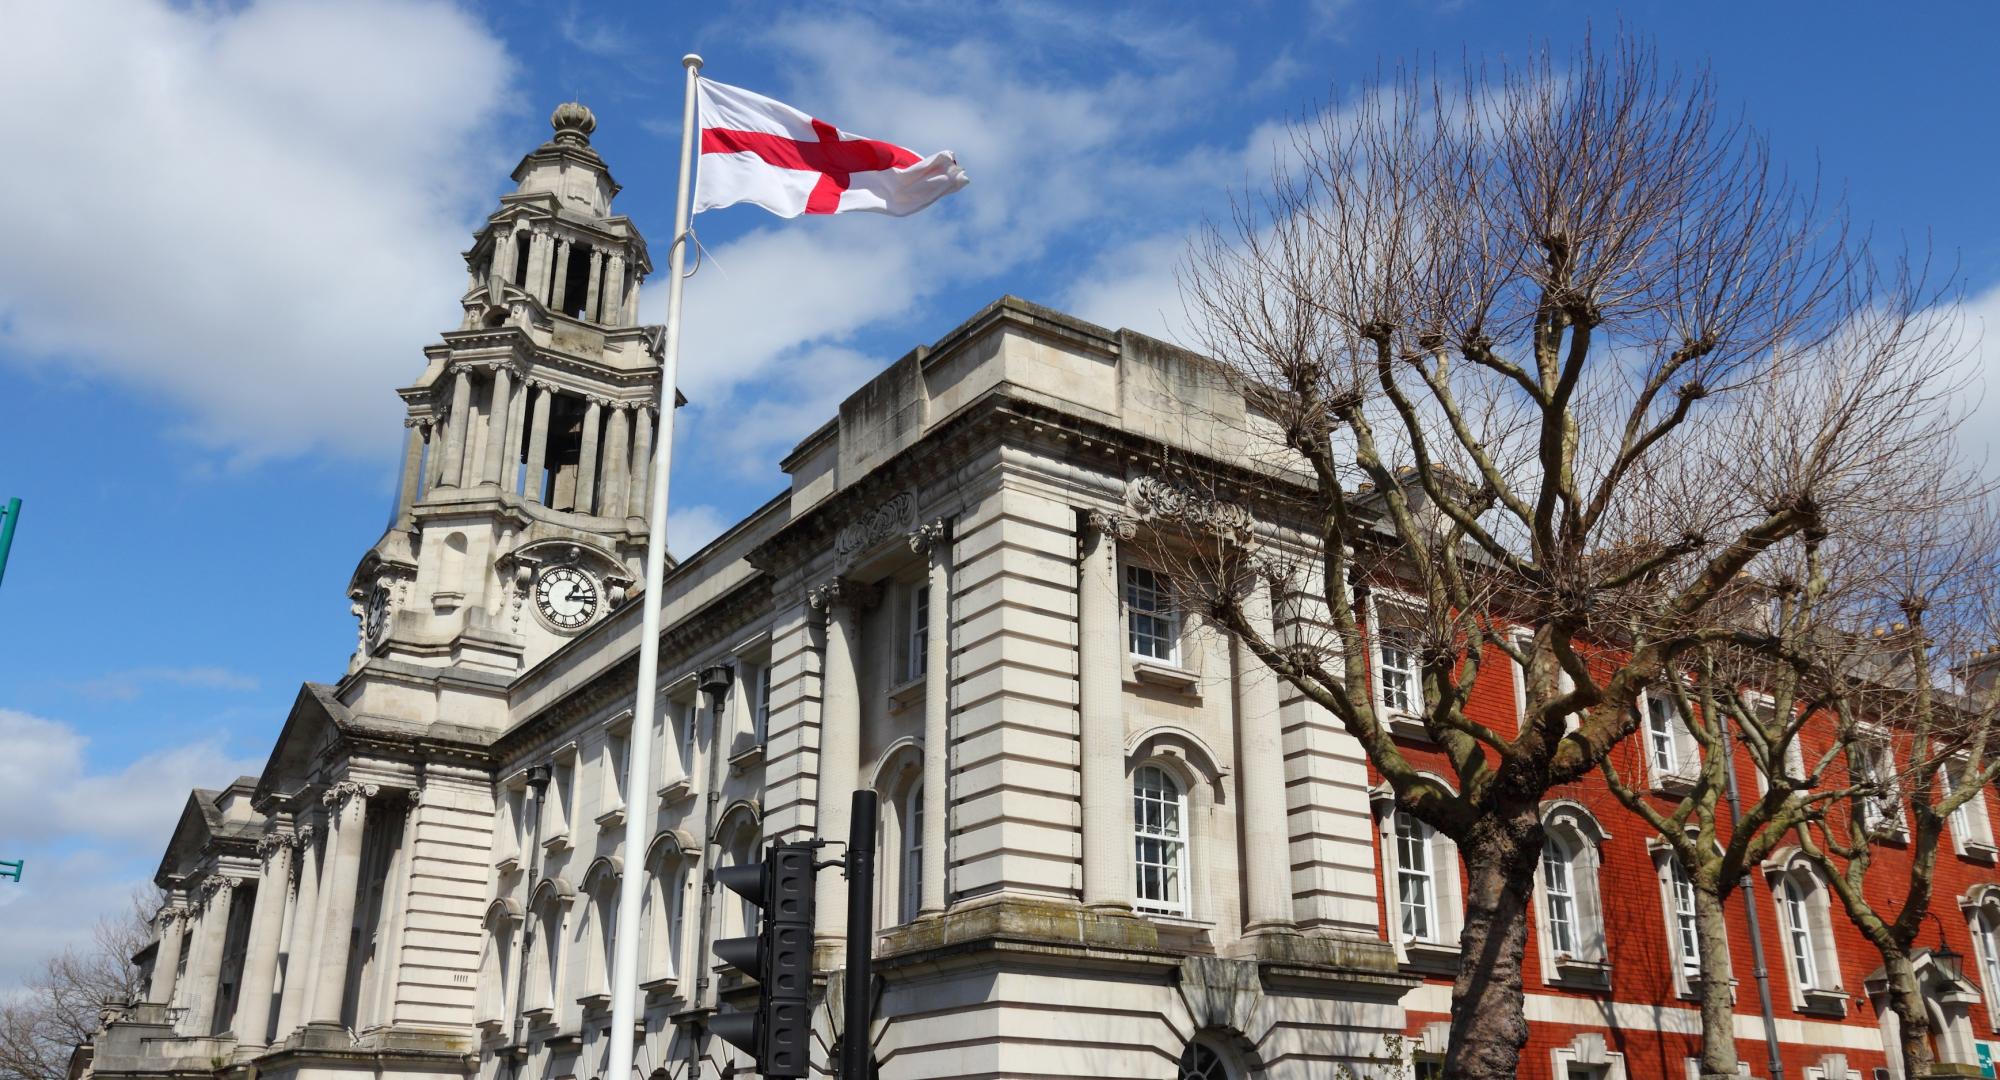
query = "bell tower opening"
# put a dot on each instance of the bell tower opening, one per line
(576, 283)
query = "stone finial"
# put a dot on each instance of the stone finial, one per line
(573, 123)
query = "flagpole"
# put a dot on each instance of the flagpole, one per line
(639, 741)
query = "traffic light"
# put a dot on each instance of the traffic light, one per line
(778, 1032)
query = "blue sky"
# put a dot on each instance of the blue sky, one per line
(232, 227)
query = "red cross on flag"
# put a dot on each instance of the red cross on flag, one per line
(760, 151)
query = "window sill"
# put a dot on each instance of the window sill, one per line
(507, 865)
(747, 758)
(659, 988)
(594, 1003)
(535, 1018)
(1163, 674)
(1430, 957)
(1976, 851)
(558, 842)
(492, 1025)
(1831, 1003)
(1675, 783)
(568, 1040)
(679, 789)
(1691, 989)
(1578, 974)
(1408, 726)
(906, 695)
(611, 819)
(1179, 931)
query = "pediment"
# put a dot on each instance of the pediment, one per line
(194, 831)
(317, 725)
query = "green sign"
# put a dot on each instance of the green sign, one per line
(11, 869)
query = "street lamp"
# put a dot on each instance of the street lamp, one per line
(1946, 957)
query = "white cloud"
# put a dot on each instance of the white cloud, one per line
(89, 837)
(49, 792)
(274, 191)
(1135, 286)
(690, 528)
(129, 684)
(1979, 434)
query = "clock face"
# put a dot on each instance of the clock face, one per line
(378, 615)
(566, 597)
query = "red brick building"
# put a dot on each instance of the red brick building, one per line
(1612, 949)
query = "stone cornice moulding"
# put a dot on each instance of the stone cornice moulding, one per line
(335, 797)
(895, 514)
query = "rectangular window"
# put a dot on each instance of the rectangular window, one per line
(1402, 686)
(760, 704)
(1160, 839)
(917, 660)
(1560, 891)
(913, 856)
(1687, 943)
(562, 789)
(1661, 739)
(1416, 891)
(1798, 934)
(684, 726)
(614, 770)
(1152, 625)
(1875, 765)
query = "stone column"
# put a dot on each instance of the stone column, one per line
(617, 450)
(1107, 833)
(612, 304)
(1267, 848)
(413, 467)
(632, 307)
(456, 434)
(204, 976)
(538, 442)
(586, 459)
(252, 1022)
(559, 284)
(517, 420)
(639, 488)
(347, 813)
(167, 957)
(839, 739)
(590, 295)
(934, 540)
(503, 261)
(499, 416)
(537, 284)
(295, 1000)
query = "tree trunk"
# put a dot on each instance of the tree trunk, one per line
(1907, 999)
(1718, 1005)
(1488, 1024)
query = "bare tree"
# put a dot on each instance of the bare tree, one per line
(1916, 697)
(58, 1008)
(1558, 353)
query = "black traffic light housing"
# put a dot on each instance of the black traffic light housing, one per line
(777, 1034)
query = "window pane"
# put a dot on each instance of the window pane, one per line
(1160, 847)
(1561, 896)
(1660, 736)
(1401, 680)
(1152, 628)
(1415, 890)
(1686, 941)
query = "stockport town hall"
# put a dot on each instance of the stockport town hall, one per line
(1112, 845)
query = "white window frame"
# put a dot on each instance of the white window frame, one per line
(916, 640)
(911, 873)
(1583, 961)
(559, 799)
(760, 702)
(1410, 702)
(1416, 886)
(1801, 951)
(1172, 846)
(686, 723)
(614, 761)
(1161, 610)
(510, 824)
(1983, 920)
(1561, 906)
(1971, 824)
(1683, 930)
(1806, 926)
(1873, 754)
(1683, 753)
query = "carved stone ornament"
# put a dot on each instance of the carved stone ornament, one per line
(844, 592)
(302, 837)
(1153, 499)
(1111, 525)
(925, 537)
(172, 913)
(894, 515)
(337, 795)
(269, 843)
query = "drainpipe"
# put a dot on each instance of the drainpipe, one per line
(1749, 886)
(538, 782)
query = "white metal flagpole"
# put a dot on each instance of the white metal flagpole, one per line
(639, 742)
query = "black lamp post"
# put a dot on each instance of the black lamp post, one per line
(1945, 957)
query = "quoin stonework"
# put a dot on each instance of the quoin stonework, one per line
(1113, 844)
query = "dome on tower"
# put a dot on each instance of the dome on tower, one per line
(573, 121)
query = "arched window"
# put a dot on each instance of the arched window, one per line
(1203, 1061)
(1416, 881)
(600, 936)
(496, 963)
(1687, 942)
(1805, 920)
(1572, 911)
(546, 955)
(1159, 817)
(1985, 921)
(667, 873)
(737, 838)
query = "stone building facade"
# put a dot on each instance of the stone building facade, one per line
(1112, 845)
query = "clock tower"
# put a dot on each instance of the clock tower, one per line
(527, 466)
